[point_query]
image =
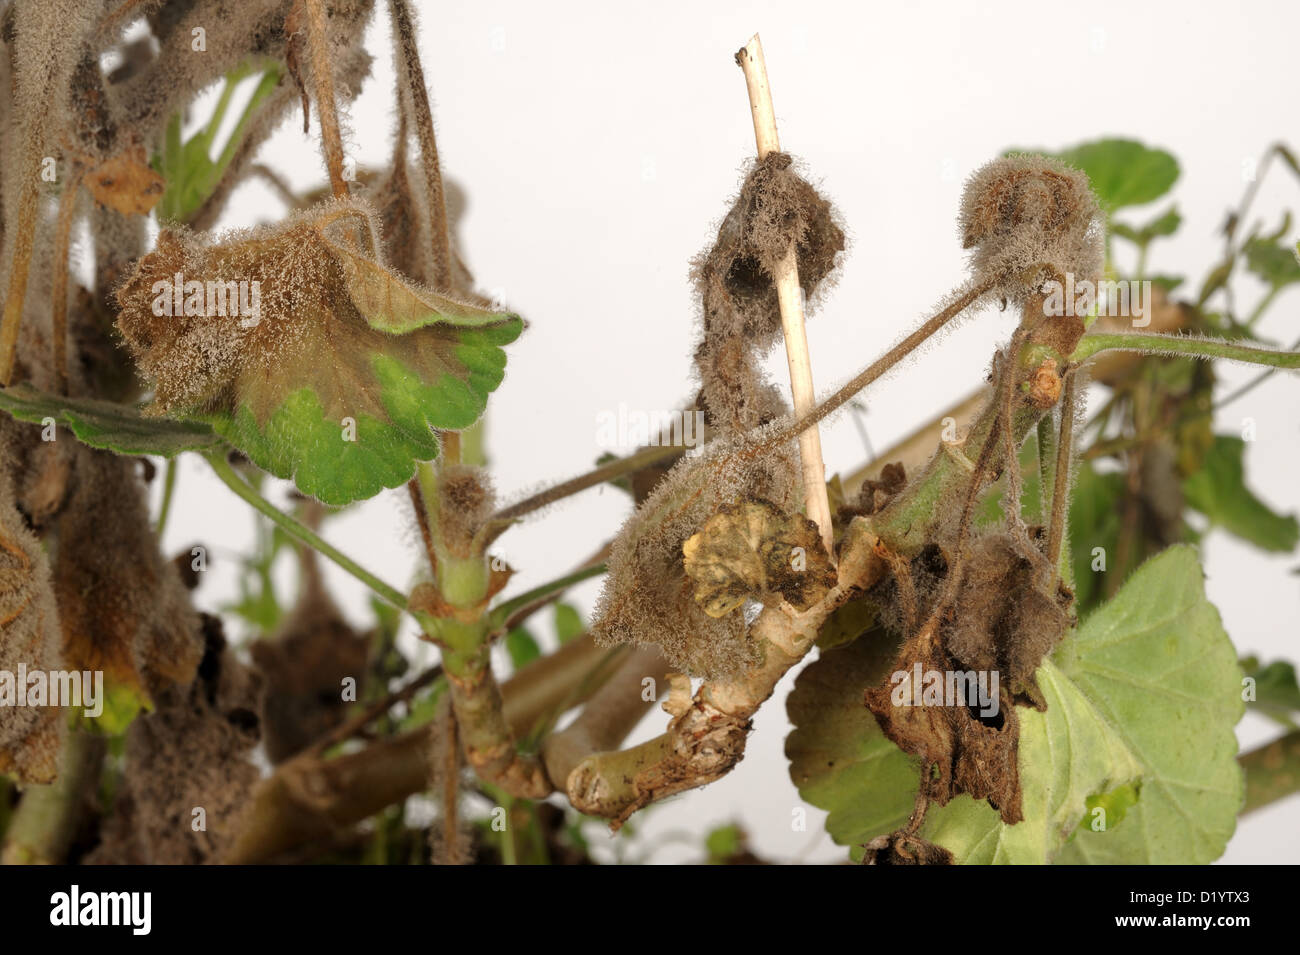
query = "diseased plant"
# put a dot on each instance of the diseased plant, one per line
(1016, 660)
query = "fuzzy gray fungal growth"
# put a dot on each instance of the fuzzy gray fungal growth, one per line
(741, 317)
(30, 737)
(1029, 219)
(131, 619)
(648, 599)
(191, 753)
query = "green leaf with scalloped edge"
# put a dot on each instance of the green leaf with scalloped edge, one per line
(337, 375)
(106, 425)
(1156, 662)
(1146, 692)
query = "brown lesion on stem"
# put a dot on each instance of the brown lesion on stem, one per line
(707, 738)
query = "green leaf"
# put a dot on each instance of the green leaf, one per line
(1163, 225)
(1123, 172)
(1157, 664)
(342, 375)
(839, 759)
(724, 842)
(1095, 516)
(187, 167)
(522, 647)
(1066, 754)
(1273, 261)
(112, 427)
(568, 623)
(1218, 490)
(1146, 693)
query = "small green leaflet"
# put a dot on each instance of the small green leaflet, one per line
(1144, 695)
(112, 427)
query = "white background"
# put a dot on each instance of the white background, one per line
(599, 143)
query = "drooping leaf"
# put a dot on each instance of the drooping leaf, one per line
(335, 373)
(1145, 693)
(1218, 490)
(109, 426)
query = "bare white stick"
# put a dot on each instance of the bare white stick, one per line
(790, 300)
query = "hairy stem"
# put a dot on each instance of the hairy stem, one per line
(597, 476)
(59, 294)
(301, 533)
(1056, 529)
(411, 75)
(322, 75)
(1182, 345)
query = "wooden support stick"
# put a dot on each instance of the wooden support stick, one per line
(790, 300)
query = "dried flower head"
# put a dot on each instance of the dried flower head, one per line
(1030, 219)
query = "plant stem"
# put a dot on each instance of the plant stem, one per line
(609, 716)
(606, 472)
(308, 798)
(323, 79)
(46, 819)
(1056, 529)
(411, 77)
(502, 611)
(59, 295)
(790, 301)
(300, 532)
(1252, 384)
(1272, 771)
(23, 231)
(169, 488)
(1182, 345)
